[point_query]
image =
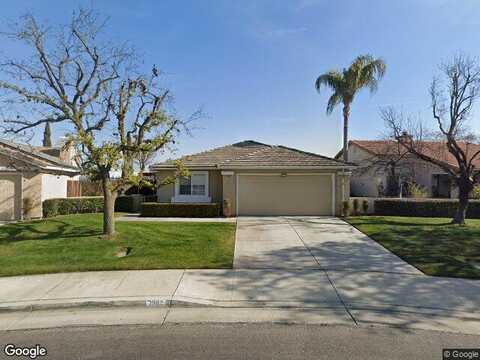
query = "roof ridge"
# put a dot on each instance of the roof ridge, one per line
(311, 153)
(223, 147)
(253, 152)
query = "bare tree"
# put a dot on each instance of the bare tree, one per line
(390, 159)
(75, 78)
(453, 97)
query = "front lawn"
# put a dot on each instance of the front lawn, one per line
(432, 245)
(74, 243)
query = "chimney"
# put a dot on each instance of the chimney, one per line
(405, 138)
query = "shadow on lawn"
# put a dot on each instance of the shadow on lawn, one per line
(30, 231)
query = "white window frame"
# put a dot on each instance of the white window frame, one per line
(177, 198)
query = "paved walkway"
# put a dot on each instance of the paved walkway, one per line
(276, 294)
(310, 243)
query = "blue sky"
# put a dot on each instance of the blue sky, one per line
(251, 65)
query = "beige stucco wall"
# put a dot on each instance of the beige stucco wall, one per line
(365, 182)
(165, 192)
(32, 187)
(8, 205)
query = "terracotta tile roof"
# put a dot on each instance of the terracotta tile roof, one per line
(434, 149)
(251, 153)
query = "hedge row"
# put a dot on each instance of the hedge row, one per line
(87, 204)
(124, 203)
(180, 210)
(424, 207)
(54, 207)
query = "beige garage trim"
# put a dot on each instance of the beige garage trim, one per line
(285, 194)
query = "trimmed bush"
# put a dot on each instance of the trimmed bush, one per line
(346, 208)
(80, 205)
(180, 210)
(424, 207)
(365, 206)
(125, 203)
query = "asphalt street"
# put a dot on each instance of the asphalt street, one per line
(237, 341)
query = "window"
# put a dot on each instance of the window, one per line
(185, 186)
(195, 184)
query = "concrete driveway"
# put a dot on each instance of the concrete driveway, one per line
(326, 243)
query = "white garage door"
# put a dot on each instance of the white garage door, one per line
(293, 194)
(7, 198)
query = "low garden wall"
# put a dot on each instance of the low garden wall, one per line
(153, 209)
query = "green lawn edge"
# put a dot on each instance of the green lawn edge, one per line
(432, 245)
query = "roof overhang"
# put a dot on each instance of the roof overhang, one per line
(60, 170)
(155, 168)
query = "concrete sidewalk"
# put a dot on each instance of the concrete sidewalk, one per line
(355, 297)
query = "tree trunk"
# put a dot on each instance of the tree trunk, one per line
(346, 114)
(108, 207)
(464, 188)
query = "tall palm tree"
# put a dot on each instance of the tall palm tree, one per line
(365, 71)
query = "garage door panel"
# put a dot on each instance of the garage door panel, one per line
(284, 195)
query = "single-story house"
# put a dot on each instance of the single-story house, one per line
(259, 179)
(36, 174)
(381, 161)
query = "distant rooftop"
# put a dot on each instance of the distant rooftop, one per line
(35, 156)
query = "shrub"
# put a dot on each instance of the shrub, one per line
(27, 207)
(227, 208)
(80, 205)
(180, 210)
(424, 207)
(125, 203)
(476, 192)
(365, 206)
(346, 208)
(417, 191)
(356, 206)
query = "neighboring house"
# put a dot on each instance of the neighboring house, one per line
(381, 163)
(259, 179)
(34, 173)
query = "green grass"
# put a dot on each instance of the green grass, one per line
(432, 245)
(75, 243)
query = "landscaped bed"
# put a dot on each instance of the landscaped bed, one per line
(432, 245)
(75, 243)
